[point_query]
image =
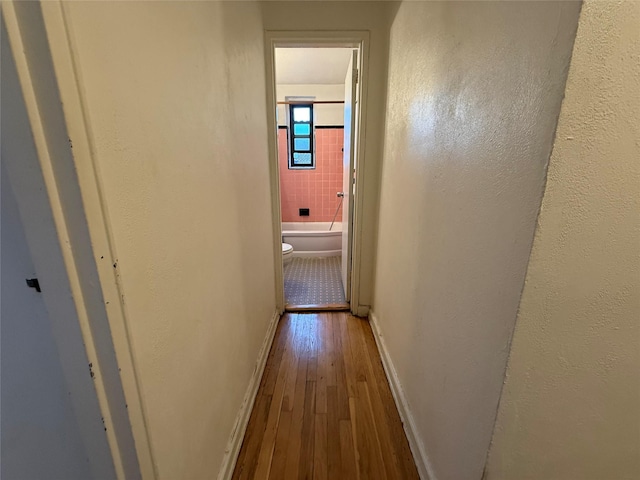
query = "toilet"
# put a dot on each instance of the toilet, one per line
(287, 253)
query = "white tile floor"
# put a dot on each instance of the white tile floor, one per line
(313, 281)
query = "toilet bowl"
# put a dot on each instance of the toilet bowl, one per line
(287, 253)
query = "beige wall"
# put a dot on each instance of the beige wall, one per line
(570, 407)
(473, 98)
(175, 95)
(347, 15)
(325, 114)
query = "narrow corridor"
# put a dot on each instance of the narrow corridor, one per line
(324, 409)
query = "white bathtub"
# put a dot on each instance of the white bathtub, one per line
(313, 239)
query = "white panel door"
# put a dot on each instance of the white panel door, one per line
(350, 82)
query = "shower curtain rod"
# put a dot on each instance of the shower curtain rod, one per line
(306, 102)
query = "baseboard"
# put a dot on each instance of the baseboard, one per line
(240, 426)
(417, 448)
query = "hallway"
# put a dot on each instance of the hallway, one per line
(324, 409)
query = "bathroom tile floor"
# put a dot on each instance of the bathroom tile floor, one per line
(313, 281)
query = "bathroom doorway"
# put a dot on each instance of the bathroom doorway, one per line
(316, 104)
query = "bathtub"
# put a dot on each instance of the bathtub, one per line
(313, 239)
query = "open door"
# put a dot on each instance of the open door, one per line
(350, 84)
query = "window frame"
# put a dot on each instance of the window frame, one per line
(292, 136)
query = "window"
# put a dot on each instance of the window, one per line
(301, 153)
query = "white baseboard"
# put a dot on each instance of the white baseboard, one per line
(240, 426)
(417, 448)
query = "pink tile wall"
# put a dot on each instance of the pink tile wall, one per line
(313, 189)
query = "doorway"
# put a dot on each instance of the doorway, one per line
(315, 98)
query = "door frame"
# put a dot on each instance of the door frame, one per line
(313, 38)
(48, 74)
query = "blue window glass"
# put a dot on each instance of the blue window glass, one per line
(301, 128)
(301, 159)
(302, 144)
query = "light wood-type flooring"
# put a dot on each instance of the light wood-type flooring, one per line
(324, 409)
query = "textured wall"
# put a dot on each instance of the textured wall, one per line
(314, 189)
(473, 99)
(175, 94)
(571, 402)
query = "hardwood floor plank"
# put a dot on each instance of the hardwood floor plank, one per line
(355, 435)
(248, 458)
(320, 456)
(322, 366)
(293, 358)
(342, 402)
(269, 437)
(312, 366)
(357, 349)
(347, 452)
(295, 432)
(370, 464)
(275, 357)
(334, 462)
(324, 409)
(330, 349)
(347, 355)
(312, 369)
(282, 444)
(305, 469)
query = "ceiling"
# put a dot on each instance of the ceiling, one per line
(311, 66)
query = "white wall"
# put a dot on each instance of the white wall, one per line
(473, 97)
(325, 114)
(175, 100)
(571, 401)
(373, 17)
(311, 65)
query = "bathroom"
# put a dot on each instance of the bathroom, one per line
(310, 93)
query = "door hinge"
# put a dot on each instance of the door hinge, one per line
(355, 76)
